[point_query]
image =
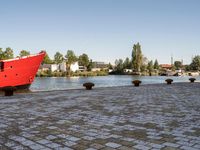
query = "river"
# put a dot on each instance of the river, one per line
(62, 83)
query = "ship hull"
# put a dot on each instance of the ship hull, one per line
(20, 72)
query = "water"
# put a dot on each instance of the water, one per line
(62, 83)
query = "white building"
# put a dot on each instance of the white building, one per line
(74, 67)
(54, 67)
(62, 67)
(128, 70)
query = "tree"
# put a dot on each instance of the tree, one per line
(110, 66)
(178, 64)
(127, 64)
(58, 58)
(195, 65)
(24, 53)
(1, 54)
(119, 65)
(83, 60)
(156, 65)
(47, 59)
(144, 64)
(187, 68)
(150, 66)
(137, 57)
(90, 65)
(8, 53)
(71, 58)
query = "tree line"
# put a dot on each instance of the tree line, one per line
(69, 58)
(138, 62)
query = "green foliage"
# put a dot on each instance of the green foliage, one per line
(137, 57)
(1, 54)
(47, 60)
(195, 65)
(110, 66)
(7, 54)
(178, 64)
(24, 53)
(58, 58)
(90, 65)
(83, 60)
(127, 64)
(150, 66)
(71, 58)
(187, 68)
(90, 73)
(119, 65)
(156, 65)
(173, 68)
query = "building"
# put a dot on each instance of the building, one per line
(97, 66)
(166, 66)
(46, 67)
(75, 67)
(128, 70)
(61, 67)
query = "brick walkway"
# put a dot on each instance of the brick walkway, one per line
(147, 117)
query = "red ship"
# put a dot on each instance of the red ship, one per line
(20, 72)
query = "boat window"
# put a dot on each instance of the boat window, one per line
(1, 66)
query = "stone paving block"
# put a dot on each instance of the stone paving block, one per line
(185, 143)
(70, 143)
(197, 146)
(188, 148)
(154, 137)
(19, 147)
(44, 141)
(50, 137)
(97, 146)
(158, 146)
(171, 144)
(125, 148)
(90, 149)
(113, 145)
(52, 127)
(53, 145)
(62, 135)
(10, 144)
(72, 138)
(36, 146)
(141, 147)
(63, 148)
(27, 143)
(90, 138)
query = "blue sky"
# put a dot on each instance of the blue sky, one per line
(104, 29)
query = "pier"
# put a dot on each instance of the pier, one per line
(157, 116)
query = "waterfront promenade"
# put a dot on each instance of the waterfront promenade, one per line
(158, 116)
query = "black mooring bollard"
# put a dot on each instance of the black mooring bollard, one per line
(9, 90)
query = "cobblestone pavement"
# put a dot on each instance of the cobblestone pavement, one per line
(153, 117)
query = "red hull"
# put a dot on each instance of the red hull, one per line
(20, 72)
